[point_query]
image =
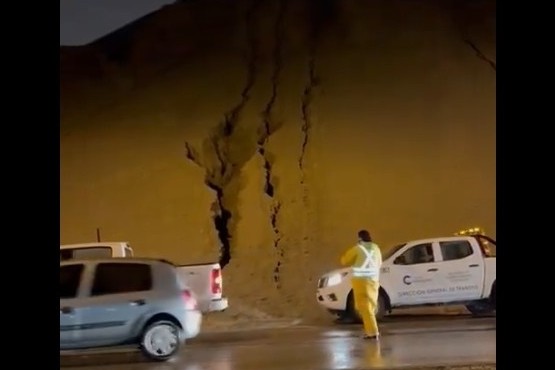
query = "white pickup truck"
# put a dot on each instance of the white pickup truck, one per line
(204, 279)
(438, 271)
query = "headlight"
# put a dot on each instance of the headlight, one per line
(335, 278)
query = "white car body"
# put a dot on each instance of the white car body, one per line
(205, 279)
(462, 271)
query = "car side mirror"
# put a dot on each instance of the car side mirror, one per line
(400, 260)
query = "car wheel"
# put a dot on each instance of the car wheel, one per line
(160, 340)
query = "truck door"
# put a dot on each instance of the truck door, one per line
(412, 277)
(461, 269)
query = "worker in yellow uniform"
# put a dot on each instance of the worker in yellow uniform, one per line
(365, 258)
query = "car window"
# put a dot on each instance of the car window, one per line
(454, 250)
(421, 253)
(85, 253)
(93, 252)
(114, 278)
(70, 278)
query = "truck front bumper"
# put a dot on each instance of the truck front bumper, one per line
(330, 299)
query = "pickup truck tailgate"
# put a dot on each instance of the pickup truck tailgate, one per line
(206, 282)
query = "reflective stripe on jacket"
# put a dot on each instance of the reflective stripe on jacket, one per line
(369, 268)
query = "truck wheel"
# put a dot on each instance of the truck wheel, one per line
(160, 340)
(480, 308)
(381, 310)
(493, 297)
(351, 311)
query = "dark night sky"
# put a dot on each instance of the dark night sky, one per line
(83, 21)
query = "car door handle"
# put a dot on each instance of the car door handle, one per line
(66, 310)
(474, 265)
(432, 270)
(138, 302)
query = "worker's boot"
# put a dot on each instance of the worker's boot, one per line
(371, 337)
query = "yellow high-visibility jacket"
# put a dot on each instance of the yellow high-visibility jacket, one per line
(365, 258)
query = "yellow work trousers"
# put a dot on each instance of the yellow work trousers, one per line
(365, 292)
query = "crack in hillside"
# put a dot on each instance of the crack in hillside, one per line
(322, 11)
(192, 155)
(269, 126)
(306, 111)
(277, 238)
(481, 55)
(219, 176)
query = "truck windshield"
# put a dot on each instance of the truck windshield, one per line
(391, 251)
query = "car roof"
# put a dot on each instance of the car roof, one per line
(116, 260)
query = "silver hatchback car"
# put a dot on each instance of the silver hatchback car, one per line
(108, 302)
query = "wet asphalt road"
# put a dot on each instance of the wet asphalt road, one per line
(405, 341)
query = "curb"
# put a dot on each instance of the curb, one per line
(470, 366)
(401, 331)
(263, 325)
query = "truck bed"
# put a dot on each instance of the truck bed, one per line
(205, 279)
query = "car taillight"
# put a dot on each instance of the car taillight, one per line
(189, 300)
(216, 281)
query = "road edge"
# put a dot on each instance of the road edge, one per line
(461, 366)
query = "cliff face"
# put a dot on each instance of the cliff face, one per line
(268, 132)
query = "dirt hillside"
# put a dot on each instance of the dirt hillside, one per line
(266, 133)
